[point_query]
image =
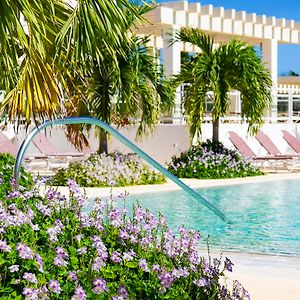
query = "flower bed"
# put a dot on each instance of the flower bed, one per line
(109, 170)
(51, 248)
(211, 160)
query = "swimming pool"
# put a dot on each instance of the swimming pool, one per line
(264, 217)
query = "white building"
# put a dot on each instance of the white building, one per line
(258, 30)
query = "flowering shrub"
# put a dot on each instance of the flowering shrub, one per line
(211, 160)
(52, 248)
(109, 170)
(6, 172)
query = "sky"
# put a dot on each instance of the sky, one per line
(288, 55)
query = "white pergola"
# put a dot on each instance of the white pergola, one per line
(222, 25)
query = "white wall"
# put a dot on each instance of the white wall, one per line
(171, 139)
(167, 140)
(272, 130)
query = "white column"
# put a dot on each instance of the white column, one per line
(290, 106)
(270, 58)
(172, 64)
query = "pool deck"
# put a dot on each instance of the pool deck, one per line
(266, 277)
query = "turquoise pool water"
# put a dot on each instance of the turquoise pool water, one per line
(264, 217)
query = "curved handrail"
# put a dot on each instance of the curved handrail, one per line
(119, 136)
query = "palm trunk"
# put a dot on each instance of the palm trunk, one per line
(103, 147)
(216, 124)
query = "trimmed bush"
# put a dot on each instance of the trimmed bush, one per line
(109, 170)
(211, 160)
(51, 247)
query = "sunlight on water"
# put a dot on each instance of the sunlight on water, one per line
(264, 217)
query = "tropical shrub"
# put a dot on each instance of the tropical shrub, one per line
(109, 170)
(211, 160)
(7, 162)
(52, 247)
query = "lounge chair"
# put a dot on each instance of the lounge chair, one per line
(6, 145)
(57, 159)
(271, 148)
(31, 159)
(292, 141)
(273, 162)
(241, 145)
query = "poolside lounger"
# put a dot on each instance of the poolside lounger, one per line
(56, 159)
(292, 141)
(6, 145)
(273, 161)
(241, 145)
(267, 143)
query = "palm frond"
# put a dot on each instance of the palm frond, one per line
(195, 37)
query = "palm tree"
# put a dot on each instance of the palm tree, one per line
(233, 65)
(27, 72)
(130, 86)
(35, 58)
(292, 73)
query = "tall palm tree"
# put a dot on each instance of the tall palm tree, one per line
(233, 65)
(130, 86)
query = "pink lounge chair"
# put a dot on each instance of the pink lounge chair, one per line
(245, 150)
(6, 145)
(31, 160)
(267, 143)
(241, 145)
(45, 146)
(56, 159)
(292, 141)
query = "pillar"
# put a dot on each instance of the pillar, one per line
(270, 58)
(172, 64)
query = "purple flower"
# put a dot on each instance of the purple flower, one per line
(115, 217)
(99, 286)
(139, 214)
(72, 276)
(144, 265)
(166, 279)
(79, 294)
(39, 262)
(155, 268)
(78, 237)
(24, 251)
(97, 263)
(123, 291)
(61, 252)
(116, 257)
(54, 286)
(4, 246)
(123, 234)
(82, 250)
(202, 282)
(30, 277)
(30, 293)
(127, 256)
(59, 261)
(14, 268)
(228, 264)
(13, 194)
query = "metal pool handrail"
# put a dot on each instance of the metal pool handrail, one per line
(120, 137)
